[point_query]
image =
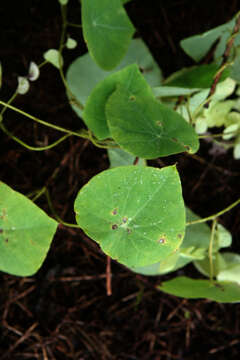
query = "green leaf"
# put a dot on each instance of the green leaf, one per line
(194, 246)
(197, 46)
(26, 233)
(94, 112)
(220, 291)
(135, 213)
(231, 271)
(203, 266)
(119, 157)
(171, 91)
(144, 127)
(53, 56)
(107, 31)
(200, 76)
(71, 43)
(84, 74)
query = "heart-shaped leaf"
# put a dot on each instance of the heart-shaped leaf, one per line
(143, 126)
(135, 213)
(107, 31)
(26, 233)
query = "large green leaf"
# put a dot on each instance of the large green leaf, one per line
(135, 213)
(143, 126)
(84, 74)
(107, 31)
(220, 291)
(26, 233)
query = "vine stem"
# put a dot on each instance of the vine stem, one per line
(212, 217)
(61, 47)
(210, 249)
(83, 134)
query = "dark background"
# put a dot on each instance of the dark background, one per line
(63, 312)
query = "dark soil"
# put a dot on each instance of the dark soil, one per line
(63, 312)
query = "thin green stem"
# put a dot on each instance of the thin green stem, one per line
(82, 134)
(55, 214)
(39, 193)
(210, 249)
(9, 102)
(29, 147)
(234, 133)
(74, 25)
(214, 216)
(61, 47)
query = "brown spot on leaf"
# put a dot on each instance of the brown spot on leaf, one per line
(132, 98)
(158, 123)
(162, 240)
(6, 240)
(175, 140)
(125, 219)
(129, 231)
(187, 147)
(4, 213)
(114, 226)
(1, 231)
(180, 236)
(114, 212)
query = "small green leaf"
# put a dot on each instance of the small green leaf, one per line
(107, 31)
(144, 127)
(135, 213)
(220, 291)
(119, 157)
(71, 43)
(33, 71)
(52, 56)
(23, 85)
(236, 152)
(26, 233)
(63, 2)
(200, 77)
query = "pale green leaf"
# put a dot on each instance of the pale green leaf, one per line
(236, 152)
(23, 85)
(119, 157)
(26, 233)
(107, 31)
(220, 291)
(71, 43)
(53, 56)
(231, 272)
(138, 215)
